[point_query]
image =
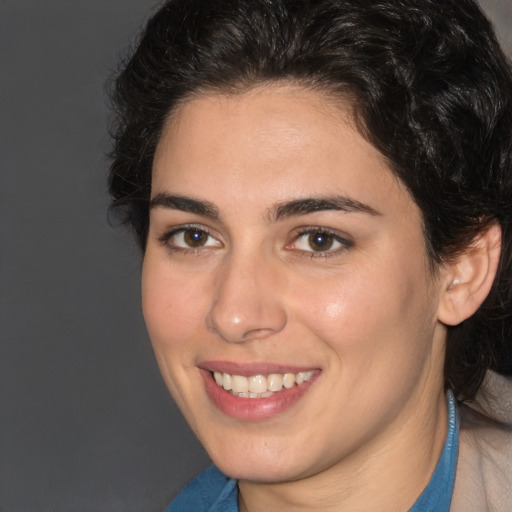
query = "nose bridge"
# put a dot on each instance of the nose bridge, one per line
(246, 302)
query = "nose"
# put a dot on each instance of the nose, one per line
(247, 303)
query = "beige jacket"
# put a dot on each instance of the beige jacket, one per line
(483, 481)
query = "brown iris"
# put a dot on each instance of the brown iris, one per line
(319, 241)
(195, 237)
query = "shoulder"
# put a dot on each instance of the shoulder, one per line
(200, 495)
(484, 471)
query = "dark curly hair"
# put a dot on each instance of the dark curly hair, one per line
(430, 87)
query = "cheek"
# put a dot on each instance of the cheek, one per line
(173, 314)
(345, 304)
(370, 314)
(173, 306)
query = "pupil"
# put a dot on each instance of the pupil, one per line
(320, 241)
(195, 237)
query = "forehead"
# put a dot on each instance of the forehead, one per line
(271, 118)
(282, 141)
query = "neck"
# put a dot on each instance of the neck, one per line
(387, 475)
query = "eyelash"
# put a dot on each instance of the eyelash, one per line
(309, 230)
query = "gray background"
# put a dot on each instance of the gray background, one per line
(86, 423)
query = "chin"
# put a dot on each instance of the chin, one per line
(261, 461)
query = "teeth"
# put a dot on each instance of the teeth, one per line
(260, 386)
(300, 378)
(218, 378)
(226, 380)
(239, 384)
(289, 380)
(257, 384)
(275, 382)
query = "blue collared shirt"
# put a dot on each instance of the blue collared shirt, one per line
(212, 491)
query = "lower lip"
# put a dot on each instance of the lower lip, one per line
(254, 409)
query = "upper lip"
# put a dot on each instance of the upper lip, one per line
(248, 369)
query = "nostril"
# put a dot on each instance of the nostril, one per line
(258, 334)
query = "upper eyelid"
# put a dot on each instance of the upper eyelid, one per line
(188, 225)
(322, 229)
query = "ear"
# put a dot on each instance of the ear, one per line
(468, 280)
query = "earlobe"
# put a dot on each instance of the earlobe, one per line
(469, 278)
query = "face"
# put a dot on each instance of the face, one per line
(287, 264)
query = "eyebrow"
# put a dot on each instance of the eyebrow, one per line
(318, 204)
(185, 204)
(275, 213)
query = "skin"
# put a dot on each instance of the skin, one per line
(368, 432)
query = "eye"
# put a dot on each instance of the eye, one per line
(320, 241)
(189, 238)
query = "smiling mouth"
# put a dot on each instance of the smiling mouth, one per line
(260, 386)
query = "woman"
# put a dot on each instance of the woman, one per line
(322, 192)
